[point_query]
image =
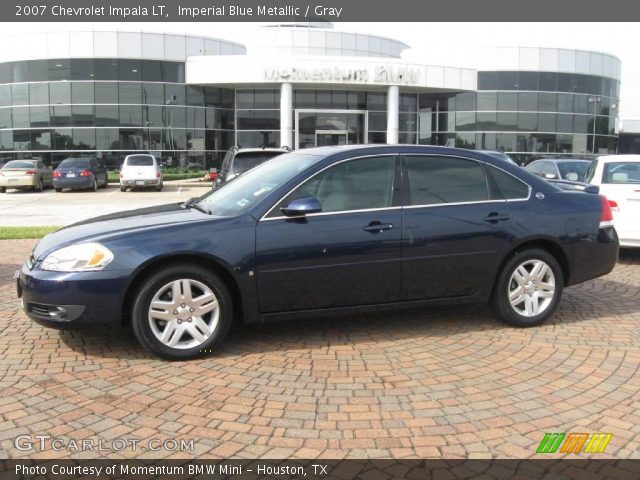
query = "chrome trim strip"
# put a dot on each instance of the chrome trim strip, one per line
(342, 212)
(431, 205)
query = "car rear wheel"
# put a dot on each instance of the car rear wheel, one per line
(182, 312)
(40, 186)
(123, 188)
(159, 188)
(94, 187)
(58, 190)
(528, 289)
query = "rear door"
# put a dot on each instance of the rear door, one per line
(455, 227)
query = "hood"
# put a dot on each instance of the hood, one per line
(114, 224)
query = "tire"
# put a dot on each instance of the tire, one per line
(39, 187)
(94, 188)
(58, 190)
(149, 328)
(123, 188)
(159, 188)
(529, 307)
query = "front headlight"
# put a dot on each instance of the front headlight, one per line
(83, 257)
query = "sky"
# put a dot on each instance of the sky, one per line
(452, 44)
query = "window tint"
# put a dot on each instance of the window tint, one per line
(354, 185)
(621, 172)
(139, 161)
(434, 180)
(510, 187)
(75, 163)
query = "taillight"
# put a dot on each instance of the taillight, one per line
(85, 173)
(30, 172)
(56, 174)
(157, 174)
(614, 206)
(606, 215)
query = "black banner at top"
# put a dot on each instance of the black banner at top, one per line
(316, 10)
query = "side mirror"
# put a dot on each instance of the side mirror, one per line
(302, 206)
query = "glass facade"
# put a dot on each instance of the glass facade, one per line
(52, 109)
(525, 114)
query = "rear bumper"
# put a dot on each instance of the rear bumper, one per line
(595, 258)
(18, 182)
(140, 182)
(73, 183)
(72, 300)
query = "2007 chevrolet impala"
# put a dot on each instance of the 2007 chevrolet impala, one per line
(319, 229)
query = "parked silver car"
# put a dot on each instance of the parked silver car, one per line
(25, 174)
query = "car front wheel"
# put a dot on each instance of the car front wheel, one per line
(182, 312)
(528, 289)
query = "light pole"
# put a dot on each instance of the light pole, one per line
(595, 101)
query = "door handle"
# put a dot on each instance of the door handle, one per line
(496, 217)
(377, 227)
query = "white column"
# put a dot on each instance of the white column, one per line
(286, 115)
(393, 107)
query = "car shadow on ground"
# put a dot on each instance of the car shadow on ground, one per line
(595, 299)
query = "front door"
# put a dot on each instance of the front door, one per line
(454, 228)
(346, 255)
(331, 137)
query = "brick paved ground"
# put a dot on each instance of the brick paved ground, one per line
(433, 382)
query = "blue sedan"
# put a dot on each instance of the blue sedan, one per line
(320, 230)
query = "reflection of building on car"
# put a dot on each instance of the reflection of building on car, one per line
(618, 177)
(240, 160)
(25, 174)
(140, 171)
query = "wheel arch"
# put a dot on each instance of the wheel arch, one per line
(544, 243)
(156, 263)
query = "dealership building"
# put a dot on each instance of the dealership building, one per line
(188, 99)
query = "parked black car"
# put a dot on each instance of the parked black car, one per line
(325, 229)
(80, 173)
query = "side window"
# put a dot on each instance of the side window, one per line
(510, 187)
(536, 168)
(352, 185)
(549, 168)
(435, 180)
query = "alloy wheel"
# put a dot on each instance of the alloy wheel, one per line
(184, 313)
(531, 288)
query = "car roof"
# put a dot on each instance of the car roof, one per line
(620, 158)
(266, 149)
(557, 160)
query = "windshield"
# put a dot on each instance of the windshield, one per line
(237, 197)
(139, 161)
(75, 163)
(621, 172)
(575, 171)
(245, 161)
(19, 164)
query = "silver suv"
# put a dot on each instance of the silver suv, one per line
(240, 160)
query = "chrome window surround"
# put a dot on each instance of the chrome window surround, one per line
(319, 214)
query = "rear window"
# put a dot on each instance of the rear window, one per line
(621, 172)
(139, 161)
(19, 164)
(75, 163)
(245, 161)
(573, 170)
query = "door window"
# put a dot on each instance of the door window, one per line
(365, 183)
(437, 180)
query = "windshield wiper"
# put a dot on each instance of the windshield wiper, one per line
(193, 203)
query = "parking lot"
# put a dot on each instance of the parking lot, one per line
(435, 382)
(28, 208)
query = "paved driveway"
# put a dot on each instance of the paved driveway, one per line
(26, 208)
(432, 382)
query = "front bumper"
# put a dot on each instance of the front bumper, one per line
(17, 182)
(73, 183)
(71, 300)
